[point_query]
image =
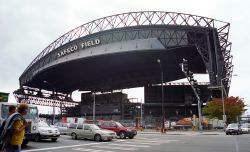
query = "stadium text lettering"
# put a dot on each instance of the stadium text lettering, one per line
(90, 43)
(67, 51)
(74, 48)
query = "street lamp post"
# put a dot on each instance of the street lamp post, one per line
(93, 107)
(162, 98)
(141, 112)
(54, 97)
(223, 104)
(224, 117)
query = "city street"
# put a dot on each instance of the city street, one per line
(149, 143)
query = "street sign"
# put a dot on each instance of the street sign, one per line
(4, 97)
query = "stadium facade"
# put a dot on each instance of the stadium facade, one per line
(121, 51)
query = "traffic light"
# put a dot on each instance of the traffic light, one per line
(190, 75)
(198, 91)
(195, 83)
(185, 65)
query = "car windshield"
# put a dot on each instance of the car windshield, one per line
(232, 125)
(245, 125)
(94, 127)
(32, 113)
(118, 124)
(43, 124)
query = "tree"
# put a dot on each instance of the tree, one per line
(234, 107)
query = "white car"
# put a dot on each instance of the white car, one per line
(93, 132)
(245, 128)
(47, 132)
(233, 128)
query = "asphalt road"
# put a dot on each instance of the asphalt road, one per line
(148, 143)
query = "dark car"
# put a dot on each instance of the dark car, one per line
(117, 127)
(233, 128)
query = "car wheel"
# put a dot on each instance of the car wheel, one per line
(53, 139)
(37, 138)
(98, 138)
(226, 133)
(122, 135)
(131, 137)
(74, 136)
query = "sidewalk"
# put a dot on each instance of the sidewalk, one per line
(181, 132)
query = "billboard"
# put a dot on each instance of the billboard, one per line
(4, 97)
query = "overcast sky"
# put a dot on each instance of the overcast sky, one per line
(28, 26)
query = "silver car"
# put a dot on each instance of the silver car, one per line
(233, 128)
(245, 128)
(93, 132)
(63, 128)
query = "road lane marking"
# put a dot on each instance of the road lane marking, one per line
(140, 143)
(143, 143)
(130, 145)
(82, 149)
(101, 151)
(60, 147)
(119, 148)
(236, 145)
(155, 142)
(92, 150)
(148, 141)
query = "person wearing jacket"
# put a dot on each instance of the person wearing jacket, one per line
(18, 130)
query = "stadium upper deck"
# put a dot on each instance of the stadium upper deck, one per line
(121, 51)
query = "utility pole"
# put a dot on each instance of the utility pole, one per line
(194, 86)
(162, 98)
(224, 117)
(93, 107)
(141, 112)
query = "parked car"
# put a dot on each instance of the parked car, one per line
(245, 127)
(233, 128)
(93, 132)
(63, 128)
(47, 132)
(117, 127)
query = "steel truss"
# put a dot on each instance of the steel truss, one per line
(43, 98)
(183, 29)
(132, 19)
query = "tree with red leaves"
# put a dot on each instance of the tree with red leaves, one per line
(234, 107)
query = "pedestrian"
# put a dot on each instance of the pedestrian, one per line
(12, 109)
(18, 130)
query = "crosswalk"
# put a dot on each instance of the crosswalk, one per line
(123, 145)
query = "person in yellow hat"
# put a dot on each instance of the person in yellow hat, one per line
(18, 132)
